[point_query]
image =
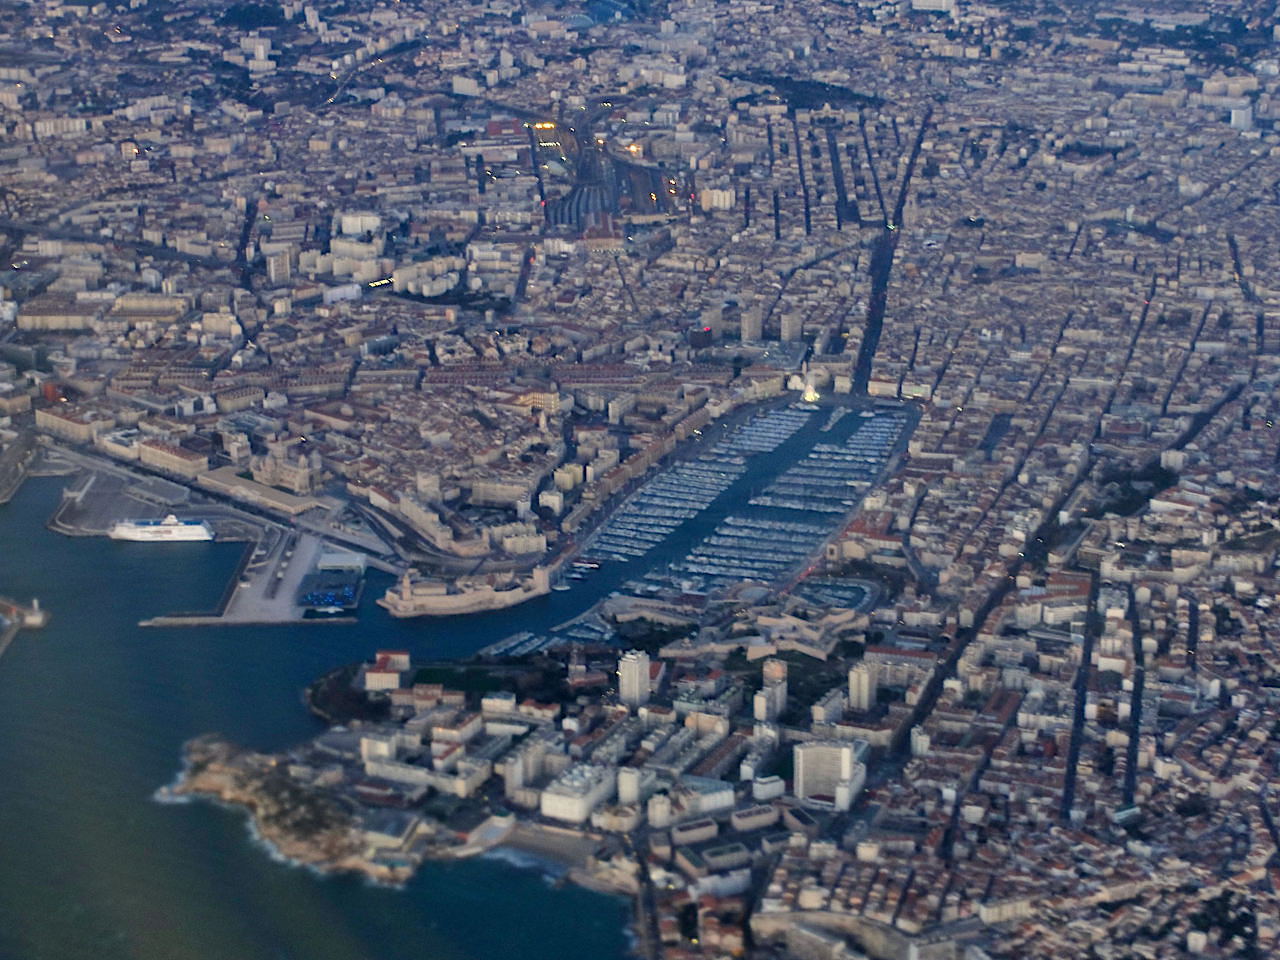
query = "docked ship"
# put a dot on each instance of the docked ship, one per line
(168, 529)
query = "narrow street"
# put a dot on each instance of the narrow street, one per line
(1091, 633)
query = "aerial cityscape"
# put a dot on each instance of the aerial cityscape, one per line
(803, 475)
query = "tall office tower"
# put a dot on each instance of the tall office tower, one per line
(862, 686)
(633, 678)
(752, 324)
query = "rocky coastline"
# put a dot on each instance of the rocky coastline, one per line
(301, 825)
(307, 827)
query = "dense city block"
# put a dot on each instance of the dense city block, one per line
(910, 366)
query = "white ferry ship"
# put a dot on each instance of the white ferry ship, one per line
(170, 529)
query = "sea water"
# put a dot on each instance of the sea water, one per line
(94, 711)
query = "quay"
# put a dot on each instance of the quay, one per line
(14, 465)
(15, 616)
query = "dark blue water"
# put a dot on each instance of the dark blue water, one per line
(93, 714)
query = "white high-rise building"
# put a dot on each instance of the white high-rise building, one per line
(279, 268)
(636, 784)
(633, 678)
(827, 771)
(771, 700)
(862, 686)
(920, 742)
(576, 792)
